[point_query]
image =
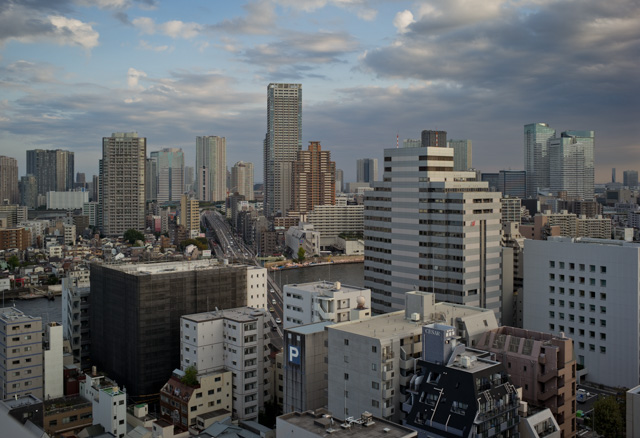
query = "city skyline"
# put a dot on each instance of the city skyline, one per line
(371, 70)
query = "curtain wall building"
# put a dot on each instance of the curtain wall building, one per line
(536, 156)
(211, 168)
(571, 167)
(170, 173)
(367, 170)
(462, 154)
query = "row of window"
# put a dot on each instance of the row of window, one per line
(592, 321)
(581, 280)
(581, 266)
(581, 306)
(581, 293)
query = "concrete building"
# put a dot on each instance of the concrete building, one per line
(53, 169)
(109, 403)
(52, 361)
(92, 210)
(543, 366)
(28, 189)
(14, 214)
(321, 301)
(234, 340)
(75, 318)
(566, 224)
(170, 174)
(512, 274)
(303, 236)
(539, 424)
(511, 210)
(367, 170)
(571, 164)
(11, 238)
(436, 139)
(282, 143)
(632, 416)
(339, 181)
(313, 179)
(73, 200)
(372, 360)
(333, 220)
(462, 154)
(211, 168)
(431, 229)
(21, 369)
(630, 178)
(151, 179)
(242, 180)
(190, 213)
(9, 180)
(136, 308)
(122, 182)
(589, 289)
(536, 156)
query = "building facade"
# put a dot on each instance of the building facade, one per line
(170, 174)
(53, 169)
(333, 220)
(462, 154)
(190, 213)
(630, 178)
(571, 164)
(512, 183)
(242, 180)
(367, 170)
(536, 156)
(437, 139)
(211, 168)
(28, 191)
(9, 180)
(313, 179)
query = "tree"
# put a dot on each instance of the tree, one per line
(301, 253)
(201, 246)
(132, 236)
(607, 419)
(13, 261)
(190, 376)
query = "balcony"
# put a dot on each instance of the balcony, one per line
(546, 395)
(387, 411)
(388, 393)
(387, 375)
(407, 363)
(543, 378)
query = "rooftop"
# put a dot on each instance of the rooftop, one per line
(168, 267)
(239, 314)
(310, 328)
(325, 287)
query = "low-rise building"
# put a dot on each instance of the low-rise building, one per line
(108, 403)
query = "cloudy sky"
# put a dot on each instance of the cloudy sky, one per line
(74, 71)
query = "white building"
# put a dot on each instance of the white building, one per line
(234, 340)
(332, 220)
(66, 200)
(52, 361)
(321, 301)
(92, 209)
(75, 317)
(257, 287)
(109, 403)
(303, 236)
(588, 289)
(69, 234)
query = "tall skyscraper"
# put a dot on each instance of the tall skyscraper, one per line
(436, 139)
(339, 181)
(211, 168)
(571, 167)
(53, 169)
(536, 156)
(367, 170)
(9, 180)
(242, 180)
(630, 178)
(613, 174)
(462, 154)
(313, 179)
(431, 229)
(151, 178)
(170, 173)
(282, 143)
(29, 191)
(189, 176)
(122, 182)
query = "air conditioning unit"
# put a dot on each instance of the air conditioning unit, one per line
(415, 317)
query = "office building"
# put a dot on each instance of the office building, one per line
(211, 168)
(372, 359)
(242, 180)
(436, 139)
(313, 179)
(588, 289)
(321, 301)
(461, 392)
(339, 181)
(9, 180)
(536, 156)
(462, 154)
(151, 179)
(190, 213)
(136, 308)
(170, 174)
(21, 369)
(630, 178)
(28, 191)
(233, 340)
(492, 178)
(67, 200)
(367, 170)
(571, 167)
(511, 210)
(429, 228)
(122, 182)
(53, 169)
(282, 143)
(512, 183)
(333, 220)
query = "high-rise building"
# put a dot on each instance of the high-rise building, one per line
(151, 178)
(189, 178)
(282, 143)
(242, 180)
(170, 174)
(436, 139)
(411, 143)
(9, 180)
(613, 174)
(313, 179)
(367, 170)
(462, 154)
(53, 169)
(29, 191)
(189, 213)
(571, 168)
(95, 188)
(431, 229)
(630, 178)
(536, 156)
(512, 183)
(122, 182)
(211, 168)
(339, 181)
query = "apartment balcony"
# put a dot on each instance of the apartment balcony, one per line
(407, 363)
(543, 378)
(405, 380)
(388, 393)
(387, 375)
(546, 395)
(388, 411)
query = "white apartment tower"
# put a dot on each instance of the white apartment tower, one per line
(211, 168)
(122, 182)
(242, 180)
(429, 228)
(282, 143)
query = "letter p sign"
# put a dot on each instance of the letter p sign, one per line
(294, 355)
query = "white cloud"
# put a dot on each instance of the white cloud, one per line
(145, 25)
(173, 29)
(133, 78)
(402, 21)
(361, 7)
(147, 46)
(74, 31)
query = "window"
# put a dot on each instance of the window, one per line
(561, 265)
(592, 347)
(603, 336)
(552, 327)
(592, 295)
(552, 264)
(582, 293)
(581, 331)
(571, 317)
(346, 376)
(561, 303)
(571, 330)
(571, 305)
(552, 314)
(603, 349)
(346, 342)
(373, 367)
(582, 266)
(572, 292)
(603, 296)
(374, 349)
(603, 309)
(552, 289)
(581, 318)
(592, 282)
(603, 269)
(592, 268)
(561, 277)
(581, 305)
(552, 276)
(581, 345)
(552, 302)
(561, 315)
(562, 291)
(603, 323)
(603, 283)
(592, 334)
(375, 385)
(592, 307)
(572, 279)
(375, 403)
(572, 266)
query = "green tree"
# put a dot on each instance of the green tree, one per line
(13, 261)
(132, 236)
(201, 246)
(301, 254)
(607, 418)
(190, 376)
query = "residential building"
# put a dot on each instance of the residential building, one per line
(18, 237)
(122, 182)
(242, 180)
(9, 180)
(630, 178)
(436, 139)
(511, 210)
(109, 403)
(313, 179)
(190, 213)
(211, 168)
(538, 424)
(512, 274)
(543, 365)
(339, 181)
(72, 200)
(512, 183)
(566, 224)
(282, 143)
(571, 164)
(136, 308)
(151, 179)
(303, 236)
(462, 154)
(170, 172)
(28, 191)
(367, 170)
(321, 301)
(92, 210)
(53, 169)
(234, 340)
(575, 286)
(429, 228)
(372, 359)
(536, 156)
(14, 214)
(21, 370)
(460, 390)
(333, 220)
(67, 414)
(52, 361)
(75, 318)
(189, 178)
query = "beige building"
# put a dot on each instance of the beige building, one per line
(9, 180)
(566, 224)
(313, 179)
(242, 180)
(190, 213)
